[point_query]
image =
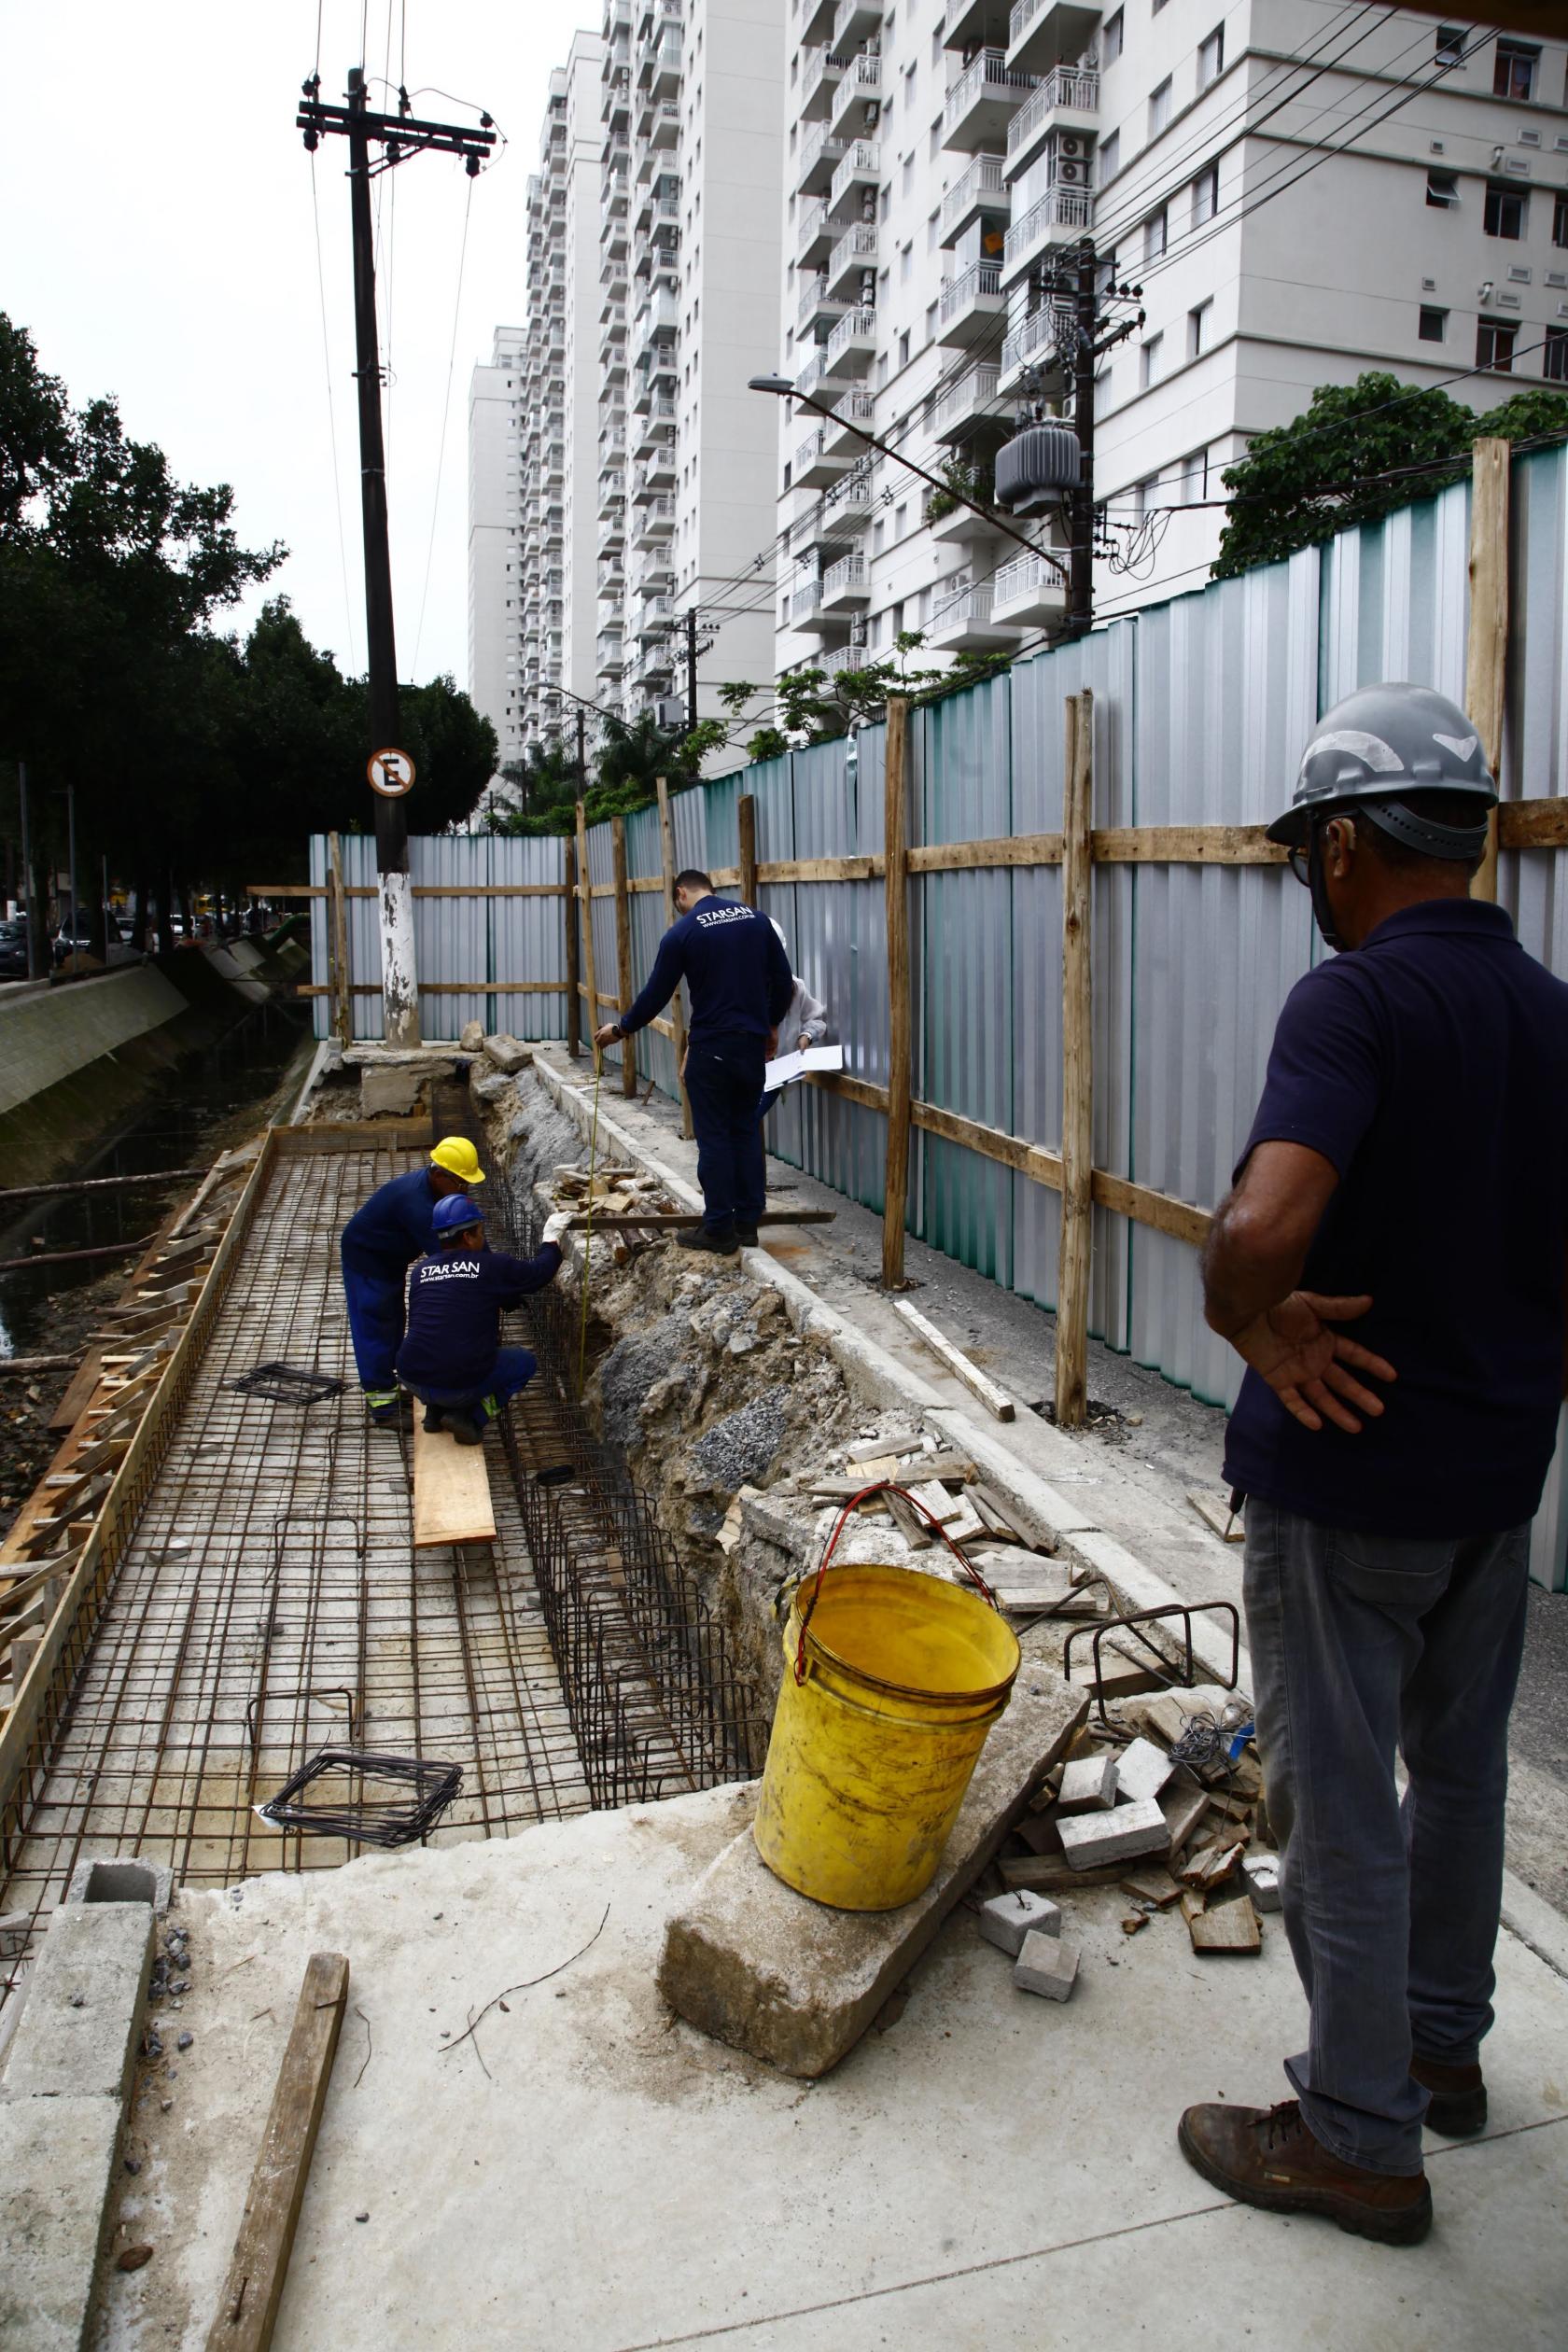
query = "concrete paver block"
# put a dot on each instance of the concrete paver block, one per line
(1261, 1874)
(795, 1983)
(1142, 1770)
(78, 2033)
(1007, 1919)
(1091, 1838)
(1089, 1785)
(57, 2162)
(112, 1878)
(1046, 1965)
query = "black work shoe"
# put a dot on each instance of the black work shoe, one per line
(1267, 2157)
(467, 1433)
(1458, 2108)
(433, 1422)
(720, 1243)
(397, 1416)
(747, 1236)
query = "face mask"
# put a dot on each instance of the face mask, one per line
(1321, 911)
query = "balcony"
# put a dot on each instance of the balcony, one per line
(615, 106)
(612, 490)
(617, 19)
(820, 84)
(815, 233)
(1061, 216)
(854, 407)
(1030, 590)
(612, 322)
(661, 466)
(964, 620)
(982, 189)
(1040, 32)
(613, 530)
(658, 68)
(609, 647)
(839, 658)
(1036, 342)
(853, 257)
(655, 520)
(854, 22)
(961, 526)
(816, 465)
(970, 306)
(658, 318)
(663, 129)
(822, 379)
(819, 157)
(615, 194)
(858, 168)
(851, 348)
(817, 307)
(1068, 100)
(972, 24)
(653, 427)
(803, 610)
(965, 404)
(845, 584)
(840, 513)
(861, 85)
(653, 617)
(817, 18)
(982, 102)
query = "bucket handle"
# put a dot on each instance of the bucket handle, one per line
(882, 1485)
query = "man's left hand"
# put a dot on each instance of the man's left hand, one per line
(802, 1041)
(1307, 1364)
(556, 1226)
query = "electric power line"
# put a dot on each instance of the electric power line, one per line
(446, 412)
(331, 405)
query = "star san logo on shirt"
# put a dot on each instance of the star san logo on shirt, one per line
(463, 1269)
(711, 916)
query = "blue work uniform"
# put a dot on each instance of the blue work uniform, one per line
(378, 1245)
(450, 1356)
(738, 975)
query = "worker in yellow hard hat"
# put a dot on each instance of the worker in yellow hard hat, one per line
(378, 1245)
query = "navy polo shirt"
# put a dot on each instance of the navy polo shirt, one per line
(455, 1300)
(731, 959)
(390, 1230)
(1430, 1066)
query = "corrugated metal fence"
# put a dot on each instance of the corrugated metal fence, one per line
(1201, 709)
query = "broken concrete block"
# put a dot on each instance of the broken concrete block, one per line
(508, 1055)
(1046, 1965)
(1142, 1770)
(1090, 1839)
(57, 2159)
(470, 1039)
(1007, 1919)
(1089, 1785)
(113, 1878)
(388, 1093)
(1261, 1874)
(78, 2033)
(794, 1983)
(1184, 1803)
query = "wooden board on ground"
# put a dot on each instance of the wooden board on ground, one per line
(996, 1400)
(1214, 1511)
(451, 1490)
(1222, 1926)
(254, 2287)
(77, 1396)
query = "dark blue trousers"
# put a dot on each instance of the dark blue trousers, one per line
(375, 1325)
(723, 1086)
(511, 1373)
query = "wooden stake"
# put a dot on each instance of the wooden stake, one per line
(994, 1397)
(746, 815)
(1486, 660)
(678, 1009)
(623, 951)
(1077, 1128)
(574, 973)
(341, 1014)
(254, 2288)
(586, 899)
(900, 1009)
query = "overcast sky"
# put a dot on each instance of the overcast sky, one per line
(160, 243)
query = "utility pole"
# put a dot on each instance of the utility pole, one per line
(30, 907)
(582, 754)
(1080, 604)
(396, 136)
(691, 669)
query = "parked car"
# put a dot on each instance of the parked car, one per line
(76, 933)
(13, 948)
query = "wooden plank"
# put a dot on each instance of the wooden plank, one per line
(846, 869)
(420, 889)
(1486, 653)
(658, 1218)
(1077, 1124)
(746, 819)
(78, 1393)
(1231, 1926)
(340, 977)
(1184, 845)
(596, 1003)
(442, 988)
(895, 835)
(451, 1490)
(1146, 1207)
(678, 1009)
(995, 1399)
(247, 2312)
(574, 975)
(1008, 849)
(1533, 825)
(623, 950)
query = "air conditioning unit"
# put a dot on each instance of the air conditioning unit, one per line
(670, 712)
(1072, 174)
(1071, 143)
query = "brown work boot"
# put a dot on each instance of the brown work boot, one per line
(1267, 2156)
(1458, 2108)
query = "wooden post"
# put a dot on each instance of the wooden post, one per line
(586, 899)
(574, 1003)
(1077, 1127)
(747, 816)
(624, 952)
(900, 1009)
(678, 1009)
(1486, 660)
(337, 948)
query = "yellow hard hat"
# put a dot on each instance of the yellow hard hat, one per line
(456, 1154)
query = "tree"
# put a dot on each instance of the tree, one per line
(623, 770)
(1359, 452)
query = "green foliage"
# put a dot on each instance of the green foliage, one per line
(963, 482)
(622, 773)
(1324, 472)
(812, 706)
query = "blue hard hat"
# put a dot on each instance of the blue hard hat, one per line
(453, 1212)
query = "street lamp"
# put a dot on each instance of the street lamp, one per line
(784, 389)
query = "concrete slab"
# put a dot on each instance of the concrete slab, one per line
(78, 2034)
(57, 2157)
(795, 1984)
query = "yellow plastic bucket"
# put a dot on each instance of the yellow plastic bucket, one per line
(892, 1680)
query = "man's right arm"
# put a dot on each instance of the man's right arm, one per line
(780, 979)
(669, 966)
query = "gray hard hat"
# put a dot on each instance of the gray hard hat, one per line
(1380, 744)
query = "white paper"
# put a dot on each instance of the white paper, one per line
(791, 1066)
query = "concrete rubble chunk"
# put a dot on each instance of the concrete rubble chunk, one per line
(1261, 1874)
(796, 1984)
(78, 2034)
(1091, 1838)
(57, 2159)
(389, 1092)
(1046, 1965)
(470, 1039)
(1089, 1785)
(1142, 1770)
(1007, 1919)
(508, 1055)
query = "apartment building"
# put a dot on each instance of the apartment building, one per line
(688, 267)
(1301, 190)
(494, 517)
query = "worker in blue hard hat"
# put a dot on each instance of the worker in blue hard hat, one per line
(452, 1359)
(378, 1245)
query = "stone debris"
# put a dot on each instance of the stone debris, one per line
(471, 1038)
(1142, 1769)
(1089, 1785)
(1262, 1873)
(507, 1054)
(1090, 1839)
(1046, 1965)
(1005, 1920)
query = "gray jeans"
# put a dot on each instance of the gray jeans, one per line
(1363, 1643)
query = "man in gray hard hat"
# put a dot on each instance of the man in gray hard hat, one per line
(1390, 1262)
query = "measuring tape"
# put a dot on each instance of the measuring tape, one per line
(588, 1227)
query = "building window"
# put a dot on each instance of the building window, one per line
(900, 523)
(1199, 327)
(1433, 326)
(931, 322)
(904, 349)
(1109, 158)
(886, 203)
(1159, 108)
(1152, 347)
(1442, 189)
(1554, 360)
(1451, 45)
(1560, 221)
(1206, 195)
(1155, 234)
(908, 174)
(1503, 215)
(1211, 58)
(1111, 40)
(906, 266)
(936, 136)
(1513, 75)
(1496, 339)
